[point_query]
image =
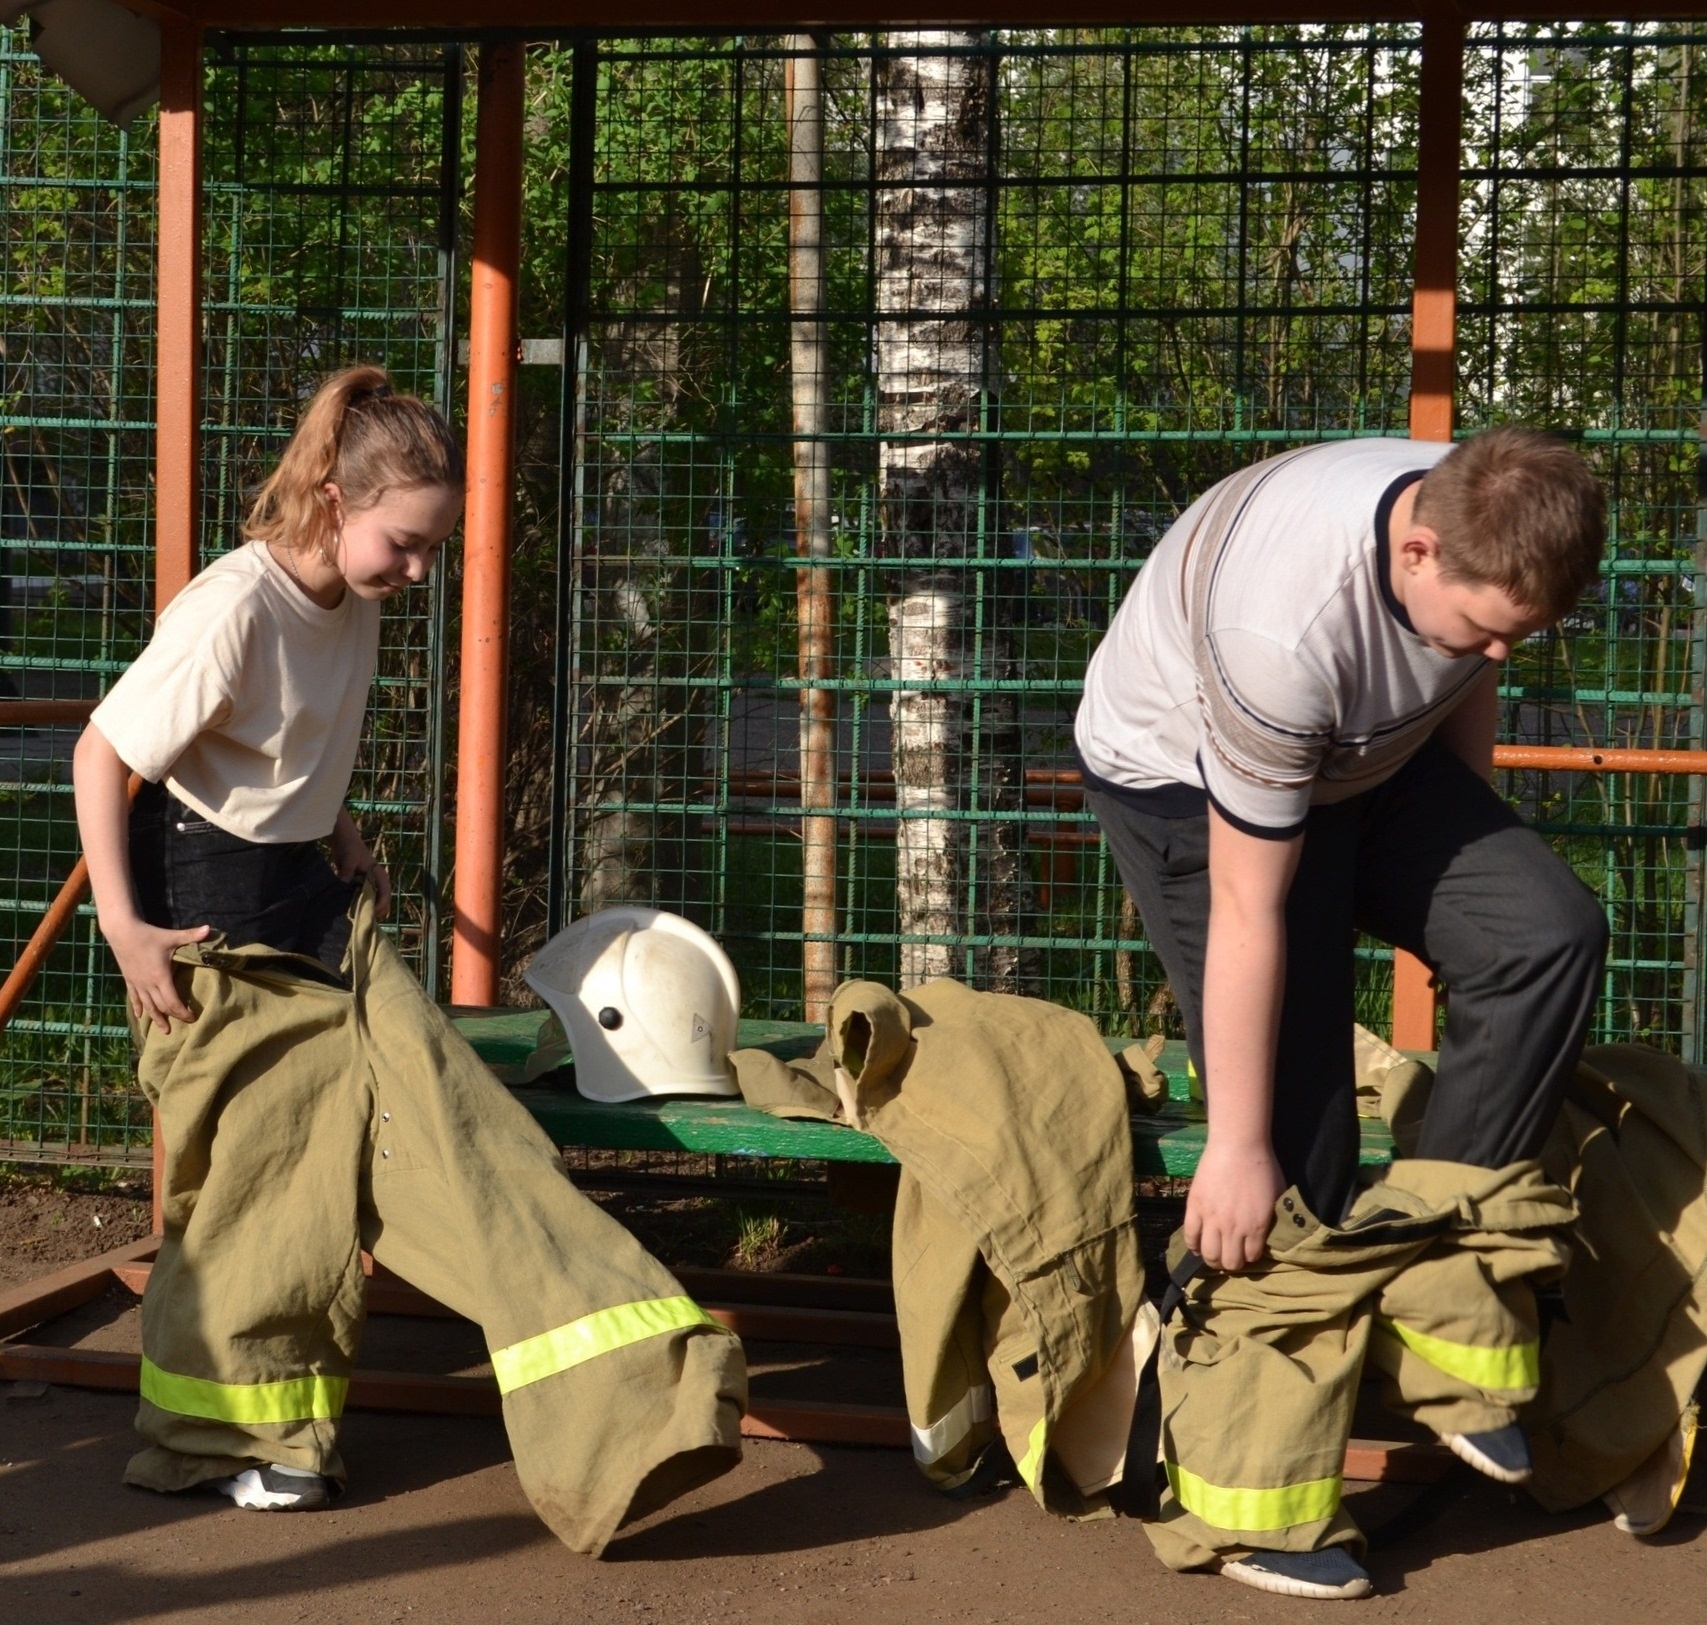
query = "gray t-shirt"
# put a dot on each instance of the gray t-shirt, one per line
(1260, 655)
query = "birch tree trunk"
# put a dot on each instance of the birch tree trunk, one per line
(957, 880)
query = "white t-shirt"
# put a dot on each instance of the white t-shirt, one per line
(249, 700)
(1261, 656)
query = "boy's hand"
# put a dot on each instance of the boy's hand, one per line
(144, 953)
(1230, 1206)
(353, 861)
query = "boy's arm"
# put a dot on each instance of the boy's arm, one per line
(1231, 1203)
(101, 781)
(1468, 728)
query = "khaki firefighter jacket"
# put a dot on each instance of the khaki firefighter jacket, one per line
(1430, 1275)
(304, 1120)
(1018, 1280)
(1627, 1355)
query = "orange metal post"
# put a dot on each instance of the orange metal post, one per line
(1434, 299)
(1434, 308)
(178, 349)
(492, 345)
(178, 298)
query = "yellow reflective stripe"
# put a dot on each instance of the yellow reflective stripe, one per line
(1502, 1370)
(1281, 1508)
(586, 1339)
(296, 1399)
(1031, 1463)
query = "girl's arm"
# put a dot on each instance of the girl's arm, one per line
(352, 859)
(101, 781)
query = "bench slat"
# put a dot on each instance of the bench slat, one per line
(1166, 1144)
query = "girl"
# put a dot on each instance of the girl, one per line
(311, 1101)
(244, 714)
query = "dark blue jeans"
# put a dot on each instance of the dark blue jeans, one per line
(188, 872)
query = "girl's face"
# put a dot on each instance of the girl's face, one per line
(393, 544)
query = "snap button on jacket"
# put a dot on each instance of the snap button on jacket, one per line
(305, 1119)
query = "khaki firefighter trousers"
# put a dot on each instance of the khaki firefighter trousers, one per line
(304, 1121)
(1430, 1275)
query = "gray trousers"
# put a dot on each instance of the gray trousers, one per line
(1432, 861)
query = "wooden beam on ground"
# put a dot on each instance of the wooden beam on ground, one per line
(798, 1421)
(1381, 1461)
(71, 1368)
(777, 1322)
(827, 1421)
(45, 1299)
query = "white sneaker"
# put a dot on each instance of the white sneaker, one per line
(271, 1488)
(1644, 1502)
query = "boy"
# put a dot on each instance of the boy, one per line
(1284, 737)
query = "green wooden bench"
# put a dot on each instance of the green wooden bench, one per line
(1166, 1143)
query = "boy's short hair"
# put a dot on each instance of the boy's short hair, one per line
(1518, 510)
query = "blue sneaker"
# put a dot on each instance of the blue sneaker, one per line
(1502, 1455)
(1330, 1574)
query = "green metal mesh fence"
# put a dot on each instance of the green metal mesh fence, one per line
(330, 198)
(1584, 275)
(1154, 256)
(1179, 251)
(76, 335)
(1190, 248)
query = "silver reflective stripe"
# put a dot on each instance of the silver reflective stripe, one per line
(933, 1443)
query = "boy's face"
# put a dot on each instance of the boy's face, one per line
(1455, 617)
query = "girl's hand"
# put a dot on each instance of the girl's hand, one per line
(353, 861)
(144, 953)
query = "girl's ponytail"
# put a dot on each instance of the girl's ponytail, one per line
(360, 436)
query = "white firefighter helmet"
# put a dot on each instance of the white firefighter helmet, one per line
(648, 1001)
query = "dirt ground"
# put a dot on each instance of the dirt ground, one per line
(44, 1225)
(435, 1527)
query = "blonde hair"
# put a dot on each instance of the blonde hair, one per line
(359, 435)
(1518, 510)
